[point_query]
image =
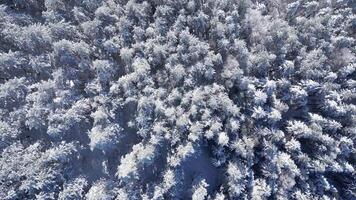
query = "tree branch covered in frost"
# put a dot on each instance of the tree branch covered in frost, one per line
(177, 99)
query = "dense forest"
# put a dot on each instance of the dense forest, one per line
(177, 99)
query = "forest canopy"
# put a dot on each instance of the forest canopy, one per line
(177, 99)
